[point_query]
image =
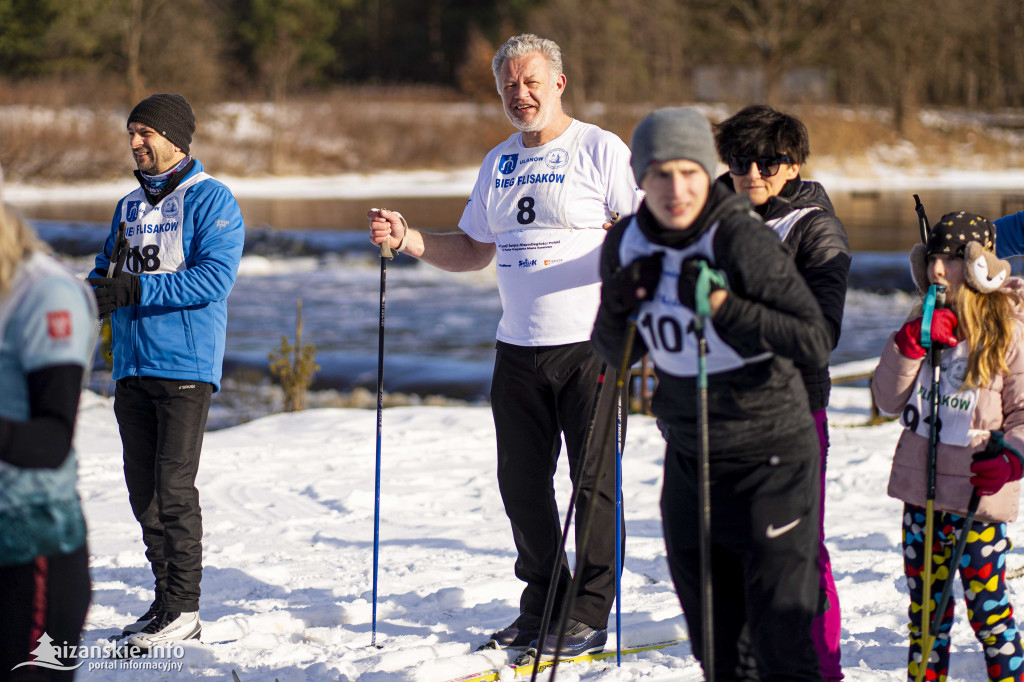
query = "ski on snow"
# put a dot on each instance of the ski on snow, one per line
(523, 665)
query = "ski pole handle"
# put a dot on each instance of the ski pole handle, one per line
(118, 252)
(934, 300)
(385, 248)
(922, 219)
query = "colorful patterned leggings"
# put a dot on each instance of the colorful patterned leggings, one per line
(982, 572)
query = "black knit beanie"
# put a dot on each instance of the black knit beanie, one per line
(169, 115)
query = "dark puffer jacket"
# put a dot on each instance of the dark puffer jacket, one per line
(803, 217)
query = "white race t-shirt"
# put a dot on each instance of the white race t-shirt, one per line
(543, 208)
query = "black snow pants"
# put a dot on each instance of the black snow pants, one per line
(162, 423)
(764, 528)
(537, 395)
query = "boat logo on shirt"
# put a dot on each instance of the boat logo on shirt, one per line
(507, 163)
(772, 532)
(171, 207)
(58, 324)
(557, 158)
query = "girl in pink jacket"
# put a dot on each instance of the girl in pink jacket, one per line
(981, 390)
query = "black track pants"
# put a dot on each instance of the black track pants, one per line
(48, 596)
(162, 423)
(764, 527)
(538, 394)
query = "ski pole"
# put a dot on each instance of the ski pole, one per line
(703, 312)
(577, 483)
(922, 219)
(619, 445)
(994, 447)
(385, 255)
(118, 255)
(936, 298)
(588, 519)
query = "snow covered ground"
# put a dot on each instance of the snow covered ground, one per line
(288, 507)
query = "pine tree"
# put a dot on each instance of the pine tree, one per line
(294, 366)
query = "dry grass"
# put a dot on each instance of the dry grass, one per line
(45, 137)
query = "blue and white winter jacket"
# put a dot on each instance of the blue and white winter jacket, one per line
(185, 250)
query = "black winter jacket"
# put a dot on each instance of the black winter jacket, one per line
(803, 217)
(769, 308)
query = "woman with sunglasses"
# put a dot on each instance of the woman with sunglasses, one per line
(764, 150)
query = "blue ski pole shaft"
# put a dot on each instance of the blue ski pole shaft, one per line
(618, 530)
(385, 254)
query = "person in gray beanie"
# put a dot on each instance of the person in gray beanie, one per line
(763, 452)
(163, 277)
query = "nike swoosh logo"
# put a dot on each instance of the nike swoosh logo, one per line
(773, 532)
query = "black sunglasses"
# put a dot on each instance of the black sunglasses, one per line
(767, 166)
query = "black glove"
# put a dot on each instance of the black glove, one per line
(633, 284)
(115, 292)
(688, 274)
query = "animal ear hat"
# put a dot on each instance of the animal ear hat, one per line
(966, 236)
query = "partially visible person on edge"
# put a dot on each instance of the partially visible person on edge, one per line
(763, 450)
(764, 150)
(48, 331)
(168, 316)
(981, 332)
(1011, 235)
(539, 206)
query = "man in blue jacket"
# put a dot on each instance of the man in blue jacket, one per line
(167, 300)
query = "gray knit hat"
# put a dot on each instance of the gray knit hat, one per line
(169, 115)
(673, 133)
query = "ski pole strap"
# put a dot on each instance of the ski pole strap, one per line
(934, 298)
(702, 291)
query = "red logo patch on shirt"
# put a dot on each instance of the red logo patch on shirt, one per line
(58, 324)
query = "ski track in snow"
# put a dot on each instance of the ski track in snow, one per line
(288, 503)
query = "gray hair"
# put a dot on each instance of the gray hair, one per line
(522, 45)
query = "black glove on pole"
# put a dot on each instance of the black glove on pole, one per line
(116, 292)
(632, 284)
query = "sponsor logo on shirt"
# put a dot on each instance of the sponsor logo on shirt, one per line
(552, 262)
(507, 163)
(528, 263)
(556, 158)
(134, 211)
(58, 324)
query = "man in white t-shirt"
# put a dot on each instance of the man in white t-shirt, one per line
(538, 207)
